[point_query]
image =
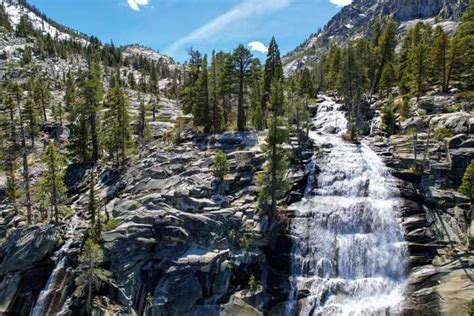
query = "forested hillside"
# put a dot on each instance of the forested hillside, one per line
(132, 184)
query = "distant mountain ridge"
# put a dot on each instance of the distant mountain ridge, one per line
(356, 21)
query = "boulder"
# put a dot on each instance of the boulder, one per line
(25, 248)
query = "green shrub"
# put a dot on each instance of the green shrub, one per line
(111, 224)
(470, 309)
(252, 283)
(441, 133)
(221, 166)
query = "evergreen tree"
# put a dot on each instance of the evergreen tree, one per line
(273, 71)
(70, 97)
(306, 84)
(226, 83)
(190, 94)
(334, 61)
(31, 117)
(320, 74)
(257, 114)
(92, 93)
(201, 111)
(220, 166)
(419, 57)
(243, 60)
(42, 95)
(17, 92)
(27, 56)
(92, 275)
(52, 180)
(389, 120)
(117, 134)
(141, 119)
(467, 183)
(384, 52)
(4, 19)
(439, 58)
(272, 179)
(465, 37)
(216, 111)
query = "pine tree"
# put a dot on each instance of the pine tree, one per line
(272, 179)
(465, 36)
(92, 93)
(32, 118)
(70, 97)
(92, 275)
(257, 113)
(117, 134)
(10, 148)
(201, 111)
(42, 95)
(384, 52)
(243, 59)
(190, 93)
(273, 71)
(226, 83)
(5, 20)
(216, 111)
(389, 121)
(220, 166)
(352, 80)
(334, 61)
(439, 58)
(141, 119)
(467, 183)
(27, 56)
(320, 74)
(52, 180)
(419, 58)
(306, 84)
(17, 92)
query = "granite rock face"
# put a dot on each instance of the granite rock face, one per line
(435, 215)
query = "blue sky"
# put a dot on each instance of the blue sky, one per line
(172, 26)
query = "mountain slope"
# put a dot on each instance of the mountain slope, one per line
(357, 19)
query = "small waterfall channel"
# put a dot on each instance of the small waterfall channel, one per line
(47, 294)
(348, 256)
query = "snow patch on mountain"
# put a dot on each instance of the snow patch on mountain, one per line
(15, 11)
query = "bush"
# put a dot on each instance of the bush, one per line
(252, 283)
(441, 133)
(470, 309)
(221, 166)
(111, 224)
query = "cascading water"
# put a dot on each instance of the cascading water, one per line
(43, 301)
(348, 255)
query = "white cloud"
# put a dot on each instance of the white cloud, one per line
(258, 46)
(243, 11)
(341, 3)
(135, 4)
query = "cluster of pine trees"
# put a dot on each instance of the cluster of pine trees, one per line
(232, 91)
(100, 126)
(367, 67)
(236, 92)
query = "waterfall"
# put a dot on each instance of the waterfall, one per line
(44, 298)
(348, 256)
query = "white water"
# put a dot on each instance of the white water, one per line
(49, 288)
(349, 255)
